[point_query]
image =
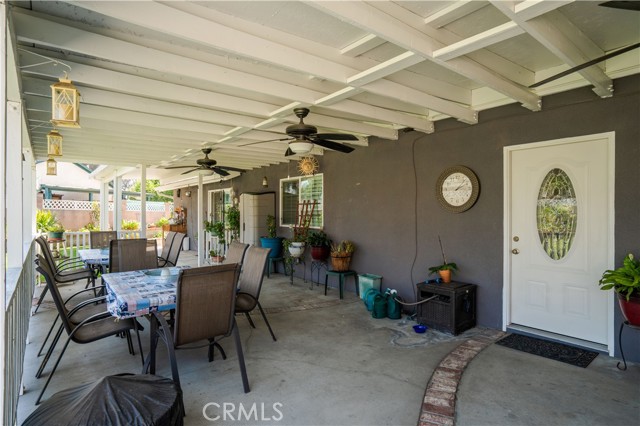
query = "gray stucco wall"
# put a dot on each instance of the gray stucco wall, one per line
(383, 197)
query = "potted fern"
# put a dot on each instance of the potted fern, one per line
(271, 240)
(625, 281)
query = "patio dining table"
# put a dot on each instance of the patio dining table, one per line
(138, 293)
(94, 257)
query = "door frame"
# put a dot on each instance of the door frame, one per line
(507, 186)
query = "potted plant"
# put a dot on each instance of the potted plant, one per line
(233, 219)
(341, 255)
(295, 246)
(271, 240)
(320, 245)
(45, 220)
(445, 269)
(216, 257)
(56, 230)
(625, 281)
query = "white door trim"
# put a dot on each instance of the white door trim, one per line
(506, 277)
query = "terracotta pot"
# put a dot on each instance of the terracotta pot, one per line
(319, 252)
(445, 275)
(630, 308)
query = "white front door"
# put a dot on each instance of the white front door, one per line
(560, 235)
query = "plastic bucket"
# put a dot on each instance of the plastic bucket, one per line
(367, 281)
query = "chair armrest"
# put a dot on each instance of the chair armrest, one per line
(89, 302)
(83, 291)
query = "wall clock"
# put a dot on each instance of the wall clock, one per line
(457, 189)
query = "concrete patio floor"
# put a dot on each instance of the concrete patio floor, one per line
(335, 365)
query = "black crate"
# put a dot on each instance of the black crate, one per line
(451, 308)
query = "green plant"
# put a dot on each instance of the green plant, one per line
(56, 227)
(343, 249)
(89, 227)
(318, 239)
(233, 219)
(624, 280)
(162, 221)
(45, 220)
(445, 266)
(130, 225)
(218, 231)
(214, 253)
(271, 226)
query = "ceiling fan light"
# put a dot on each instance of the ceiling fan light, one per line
(300, 147)
(206, 172)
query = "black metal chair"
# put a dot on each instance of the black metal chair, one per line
(166, 249)
(235, 253)
(174, 251)
(90, 329)
(132, 255)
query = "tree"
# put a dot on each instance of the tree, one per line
(152, 193)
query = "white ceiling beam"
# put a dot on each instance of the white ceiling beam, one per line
(530, 9)
(375, 21)
(479, 41)
(400, 62)
(556, 33)
(167, 20)
(453, 12)
(363, 45)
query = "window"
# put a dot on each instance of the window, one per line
(293, 191)
(219, 202)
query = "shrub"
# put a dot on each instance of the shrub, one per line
(130, 225)
(162, 221)
(45, 220)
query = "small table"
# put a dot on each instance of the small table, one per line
(628, 324)
(317, 265)
(96, 258)
(273, 265)
(341, 275)
(55, 246)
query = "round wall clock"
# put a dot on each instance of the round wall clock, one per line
(457, 189)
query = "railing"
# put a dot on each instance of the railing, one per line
(17, 313)
(80, 240)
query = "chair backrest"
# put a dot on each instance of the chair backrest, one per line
(46, 252)
(255, 260)
(236, 251)
(176, 247)
(49, 276)
(205, 303)
(166, 245)
(132, 255)
(101, 239)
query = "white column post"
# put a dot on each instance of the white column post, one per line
(104, 206)
(14, 184)
(200, 227)
(143, 201)
(28, 199)
(117, 203)
(3, 195)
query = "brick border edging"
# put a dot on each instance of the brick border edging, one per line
(439, 403)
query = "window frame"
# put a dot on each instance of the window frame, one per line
(319, 209)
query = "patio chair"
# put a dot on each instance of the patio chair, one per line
(166, 248)
(90, 329)
(101, 239)
(118, 399)
(133, 255)
(63, 272)
(236, 252)
(250, 284)
(205, 299)
(174, 251)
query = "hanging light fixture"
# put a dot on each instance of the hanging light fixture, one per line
(52, 167)
(65, 103)
(54, 143)
(300, 146)
(265, 182)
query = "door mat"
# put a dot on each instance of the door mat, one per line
(552, 350)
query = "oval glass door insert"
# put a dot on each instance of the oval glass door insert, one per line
(557, 214)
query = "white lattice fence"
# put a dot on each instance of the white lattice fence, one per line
(132, 205)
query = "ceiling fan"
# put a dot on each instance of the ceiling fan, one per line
(207, 164)
(303, 136)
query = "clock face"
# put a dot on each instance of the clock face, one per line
(457, 189)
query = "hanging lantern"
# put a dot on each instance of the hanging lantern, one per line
(65, 104)
(54, 143)
(52, 167)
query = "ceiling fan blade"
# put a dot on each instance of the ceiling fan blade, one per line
(626, 5)
(289, 152)
(270, 140)
(336, 136)
(178, 167)
(220, 171)
(333, 145)
(233, 169)
(585, 65)
(189, 171)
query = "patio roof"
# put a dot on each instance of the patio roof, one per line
(160, 81)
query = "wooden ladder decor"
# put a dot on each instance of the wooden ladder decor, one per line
(305, 213)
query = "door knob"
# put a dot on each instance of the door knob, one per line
(515, 251)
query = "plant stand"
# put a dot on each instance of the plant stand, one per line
(634, 327)
(288, 268)
(341, 275)
(317, 265)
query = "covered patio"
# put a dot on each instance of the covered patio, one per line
(378, 112)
